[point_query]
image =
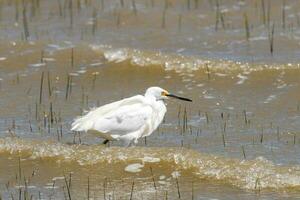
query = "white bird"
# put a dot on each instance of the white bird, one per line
(128, 119)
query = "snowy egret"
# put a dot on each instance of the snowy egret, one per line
(128, 119)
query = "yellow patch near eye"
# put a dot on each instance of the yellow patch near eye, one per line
(164, 93)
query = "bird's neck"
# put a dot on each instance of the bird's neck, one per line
(161, 101)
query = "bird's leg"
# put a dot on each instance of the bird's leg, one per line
(128, 143)
(133, 143)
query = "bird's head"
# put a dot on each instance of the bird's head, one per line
(161, 94)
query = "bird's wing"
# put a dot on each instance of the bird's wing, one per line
(125, 119)
(120, 117)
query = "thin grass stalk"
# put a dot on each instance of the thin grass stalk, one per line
(95, 22)
(104, 188)
(271, 39)
(72, 57)
(222, 19)
(131, 192)
(41, 87)
(71, 13)
(122, 3)
(192, 190)
(179, 22)
(269, 13)
(207, 71)
(134, 7)
(244, 153)
(283, 14)
(178, 189)
(163, 21)
(67, 86)
(245, 117)
(60, 11)
(247, 30)
(25, 22)
(217, 15)
(263, 11)
(88, 188)
(49, 84)
(153, 178)
(16, 10)
(68, 188)
(188, 2)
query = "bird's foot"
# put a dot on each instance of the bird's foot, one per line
(105, 141)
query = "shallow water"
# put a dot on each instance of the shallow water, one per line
(153, 170)
(239, 138)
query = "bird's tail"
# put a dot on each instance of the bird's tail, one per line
(82, 124)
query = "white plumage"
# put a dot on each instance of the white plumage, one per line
(128, 119)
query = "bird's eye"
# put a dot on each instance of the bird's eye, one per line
(163, 93)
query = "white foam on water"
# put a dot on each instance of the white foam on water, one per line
(49, 59)
(73, 74)
(176, 174)
(270, 98)
(51, 187)
(207, 96)
(37, 65)
(282, 86)
(58, 178)
(81, 71)
(96, 64)
(134, 168)
(150, 159)
(239, 173)
(116, 55)
(162, 182)
(242, 79)
(182, 63)
(220, 74)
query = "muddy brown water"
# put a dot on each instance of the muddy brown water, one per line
(238, 139)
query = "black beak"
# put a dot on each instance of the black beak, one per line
(177, 97)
